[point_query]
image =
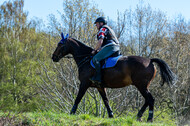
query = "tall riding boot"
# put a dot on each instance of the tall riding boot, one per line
(97, 77)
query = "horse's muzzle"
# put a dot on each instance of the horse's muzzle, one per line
(55, 58)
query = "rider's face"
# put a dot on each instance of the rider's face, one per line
(98, 25)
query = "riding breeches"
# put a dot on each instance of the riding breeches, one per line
(104, 53)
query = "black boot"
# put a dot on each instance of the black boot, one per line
(96, 79)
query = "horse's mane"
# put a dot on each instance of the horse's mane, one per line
(84, 47)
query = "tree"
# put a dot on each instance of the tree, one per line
(20, 49)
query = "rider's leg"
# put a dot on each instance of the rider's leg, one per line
(97, 77)
(104, 53)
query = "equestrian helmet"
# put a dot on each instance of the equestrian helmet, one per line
(101, 19)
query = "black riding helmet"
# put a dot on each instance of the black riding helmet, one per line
(101, 19)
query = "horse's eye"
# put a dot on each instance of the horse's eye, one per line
(60, 44)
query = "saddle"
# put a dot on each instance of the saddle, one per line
(111, 61)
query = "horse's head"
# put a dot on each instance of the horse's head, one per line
(61, 49)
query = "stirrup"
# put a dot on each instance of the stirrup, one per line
(97, 83)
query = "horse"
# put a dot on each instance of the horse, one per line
(129, 70)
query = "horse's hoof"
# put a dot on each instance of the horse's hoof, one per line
(139, 119)
(150, 120)
(71, 113)
(111, 115)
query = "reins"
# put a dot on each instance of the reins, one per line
(86, 59)
(86, 55)
(82, 62)
(68, 57)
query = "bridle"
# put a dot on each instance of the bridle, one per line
(87, 57)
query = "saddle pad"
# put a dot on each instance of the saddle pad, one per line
(110, 62)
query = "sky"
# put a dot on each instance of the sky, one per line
(172, 8)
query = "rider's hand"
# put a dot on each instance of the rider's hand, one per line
(93, 52)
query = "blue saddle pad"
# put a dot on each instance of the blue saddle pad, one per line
(110, 62)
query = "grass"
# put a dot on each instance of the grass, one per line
(62, 119)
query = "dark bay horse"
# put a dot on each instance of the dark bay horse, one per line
(129, 70)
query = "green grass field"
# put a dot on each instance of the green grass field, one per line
(62, 119)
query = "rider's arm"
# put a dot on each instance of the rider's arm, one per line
(101, 35)
(98, 46)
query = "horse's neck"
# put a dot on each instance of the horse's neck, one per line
(79, 50)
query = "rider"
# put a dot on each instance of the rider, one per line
(107, 45)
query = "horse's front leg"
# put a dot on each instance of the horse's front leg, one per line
(82, 89)
(102, 92)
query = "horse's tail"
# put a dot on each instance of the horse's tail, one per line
(167, 75)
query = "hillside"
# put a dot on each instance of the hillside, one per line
(60, 119)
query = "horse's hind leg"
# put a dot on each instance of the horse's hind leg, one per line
(142, 110)
(149, 101)
(102, 92)
(151, 106)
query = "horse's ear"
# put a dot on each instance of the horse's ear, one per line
(67, 36)
(62, 36)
